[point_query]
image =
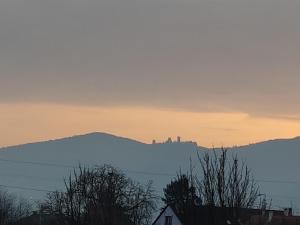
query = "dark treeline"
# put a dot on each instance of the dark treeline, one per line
(104, 195)
(12, 209)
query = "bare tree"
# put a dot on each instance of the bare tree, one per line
(227, 183)
(6, 207)
(12, 209)
(102, 196)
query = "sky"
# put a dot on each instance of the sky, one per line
(218, 72)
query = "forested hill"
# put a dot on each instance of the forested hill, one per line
(33, 169)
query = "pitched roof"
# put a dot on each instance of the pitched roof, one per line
(162, 212)
(206, 215)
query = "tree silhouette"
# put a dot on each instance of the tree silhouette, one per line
(102, 196)
(181, 194)
(226, 183)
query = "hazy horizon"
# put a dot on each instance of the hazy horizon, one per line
(160, 140)
(225, 129)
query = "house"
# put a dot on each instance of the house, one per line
(168, 217)
(287, 218)
(197, 215)
(205, 215)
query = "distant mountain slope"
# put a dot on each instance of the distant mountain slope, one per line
(276, 164)
(43, 165)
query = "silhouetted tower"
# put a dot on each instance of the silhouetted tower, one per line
(169, 141)
(178, 139)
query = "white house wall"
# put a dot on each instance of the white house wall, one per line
(168, 212)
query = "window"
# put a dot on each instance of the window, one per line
(168, 220)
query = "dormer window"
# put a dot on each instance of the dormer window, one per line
(168, 220)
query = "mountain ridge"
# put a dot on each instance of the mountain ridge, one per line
(270, 161)
(91, 134)
(110, 136)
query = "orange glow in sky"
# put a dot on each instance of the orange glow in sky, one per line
(23, 123)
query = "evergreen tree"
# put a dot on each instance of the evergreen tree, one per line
(180, 193)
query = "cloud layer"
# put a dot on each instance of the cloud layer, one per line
(208, 55)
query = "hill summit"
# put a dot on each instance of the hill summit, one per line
(40, 167)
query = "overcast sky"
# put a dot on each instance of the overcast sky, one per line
(191, 55)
